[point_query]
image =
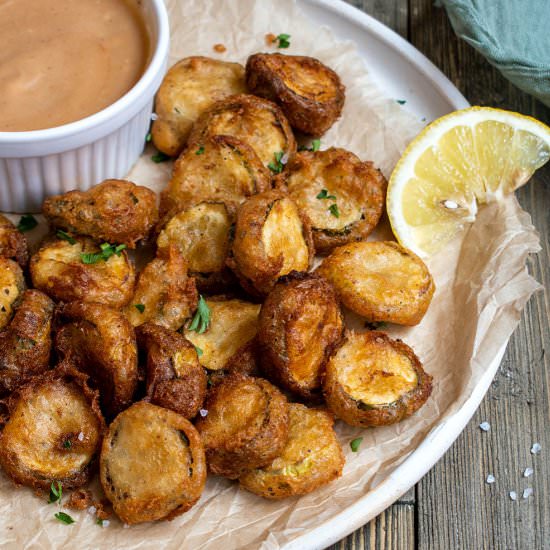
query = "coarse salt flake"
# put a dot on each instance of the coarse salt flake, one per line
(105, 523)
(450, 204)
(527, 492)
(490, 478)
(536, 448)
(203, 412)
(81, 436)
(284, 159)
(527, 472)
(126, 526)
(485, 426)
(513, 495)
(92, 510)
(154, 116)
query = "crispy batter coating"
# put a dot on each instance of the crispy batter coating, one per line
(13, 244)
(309, 93)
(382, 281)
(356, 188)
(312, 457)
(12, 286)
(152, 464)
(102, 343)
(165, 294)
(373, 380)
(58, 270)
(256, 121)
(300, 325)
(116, 211)
(175, 378)
(246, 426)
(229, 343)
(272, 238)
(25, 344)
(53, 433)
(189, 88)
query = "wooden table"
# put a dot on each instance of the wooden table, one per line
(453, 507)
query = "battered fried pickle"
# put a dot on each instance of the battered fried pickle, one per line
(13, 244)
(272, 238)
(188, 89)
(382, 281)
(175, 378)
(373, 380)
(300, 324)
(165, 294)
(62, 269)
(152, 464)
(309, 93)
(26, 342)
(53, 433)
(116, 211)
(312, 457)
(342, 196)
(12, 286)
(222, 169)
(258, 122)
(102, 343)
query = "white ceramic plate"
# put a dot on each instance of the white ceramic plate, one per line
(404, 73)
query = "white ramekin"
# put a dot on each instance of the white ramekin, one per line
(78, 155)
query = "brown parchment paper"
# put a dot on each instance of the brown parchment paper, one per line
(482, 287)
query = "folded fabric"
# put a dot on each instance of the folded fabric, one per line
(513, 35)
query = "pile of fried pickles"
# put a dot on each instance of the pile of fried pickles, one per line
(225, 353)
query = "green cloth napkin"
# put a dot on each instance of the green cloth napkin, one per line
(514, 36)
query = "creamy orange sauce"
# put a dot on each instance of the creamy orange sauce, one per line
(63, 60)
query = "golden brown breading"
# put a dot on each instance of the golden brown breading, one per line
(165, 294)
(272, 238)
(342, 196)
(256, 121)
(309, 93)
(229, 343)
(12, 286)
(373, 380)
(116, 211)
(152, 464)
(25, 344)
(382, 281)
(222, 169)
(300, 325)
(58, 270)
(13, 244)
(53, 433)
(175, 378)
(189, 88)
(312, 457)
(246, 426)
(102, 343)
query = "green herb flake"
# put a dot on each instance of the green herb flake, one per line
(277, 166)
(201, 319)
(65, 236)
(160, 157)
(26, 223)
(315, 145)
(199, 351)
(200, 150)
(148, 137)
(140, 307)
(401, 101)
(99, 521)
(283, 40)
(355, 443)
(333, 209)
(64, 518)
(107, 250)
(323, 194)
(56, 492)
(67, 444)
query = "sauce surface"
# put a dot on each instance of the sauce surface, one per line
(63, 60)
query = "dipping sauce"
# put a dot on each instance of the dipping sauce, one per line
(63, 60)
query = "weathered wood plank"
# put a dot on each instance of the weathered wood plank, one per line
(393, 13)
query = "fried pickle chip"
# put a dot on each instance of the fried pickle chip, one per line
(116, 211)
(165, 294)
(13, 244)
(272, 238)
(255, 121)
(373, 380)
(60, 270)
(188, 89)
(175, 378)
(152, 464)
(309, 93)
(229, 343)
(222, 169)
(300, 325)
(246, 426)
(312, 457)
(102, 343)
(25, 344)
(382, 281)
(53, 433)
(342, 196)
(12, 286)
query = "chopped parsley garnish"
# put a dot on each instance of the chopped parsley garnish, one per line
(26, 223)
(315, 145)
(160, 157)
(277, 166)
(65, 236)
(56, 492)
(401, 101)
(107, 250)
(283, 40)
(201, 319)
(333, 209)
(140, 307)
(148, 137)
(323, 194)
(199, 351)
(200, 150)
(354, 444)
(64, 518)
(99, 521)
(67, 444)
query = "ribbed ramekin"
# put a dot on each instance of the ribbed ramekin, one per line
(79, 155)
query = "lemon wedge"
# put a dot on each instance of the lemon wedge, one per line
(463, 159)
